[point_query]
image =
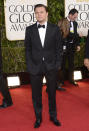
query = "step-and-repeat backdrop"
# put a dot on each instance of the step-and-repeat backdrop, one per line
(18, 15)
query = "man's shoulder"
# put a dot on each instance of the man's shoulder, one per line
(53, 25)
(31, 26)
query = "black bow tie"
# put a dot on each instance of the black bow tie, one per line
(41, 26)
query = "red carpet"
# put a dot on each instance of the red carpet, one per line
(72, 107)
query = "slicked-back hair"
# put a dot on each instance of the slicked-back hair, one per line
(73, 11)
(41, 5)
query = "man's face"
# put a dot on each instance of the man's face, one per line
(73, 17)
(41, 14)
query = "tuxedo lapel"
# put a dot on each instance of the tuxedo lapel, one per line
(48, 31)
(75, 27)
(36, 35)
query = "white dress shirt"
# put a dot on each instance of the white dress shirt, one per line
(42, 33)
(72, 26)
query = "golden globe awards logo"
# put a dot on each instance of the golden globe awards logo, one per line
(83, 16)
(21, 16)
(18, 15)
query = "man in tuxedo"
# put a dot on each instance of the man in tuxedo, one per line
(7, 100)
(86, 60)
(43, 58)
(68, 27)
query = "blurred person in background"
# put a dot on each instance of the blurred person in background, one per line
(70, 37)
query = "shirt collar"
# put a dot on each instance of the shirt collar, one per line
(43, 24)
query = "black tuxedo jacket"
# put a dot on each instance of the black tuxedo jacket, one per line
(74, 35)
(87, 47)
(52, 50)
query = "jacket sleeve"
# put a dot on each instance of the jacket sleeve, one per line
(59, 51)
(87, 47)
(28, 48)
(77, 38)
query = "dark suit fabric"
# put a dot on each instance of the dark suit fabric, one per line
(3, 84)
(52, 54)
(68, 54)
(51, 51)
(87, 47)
(74, 36)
